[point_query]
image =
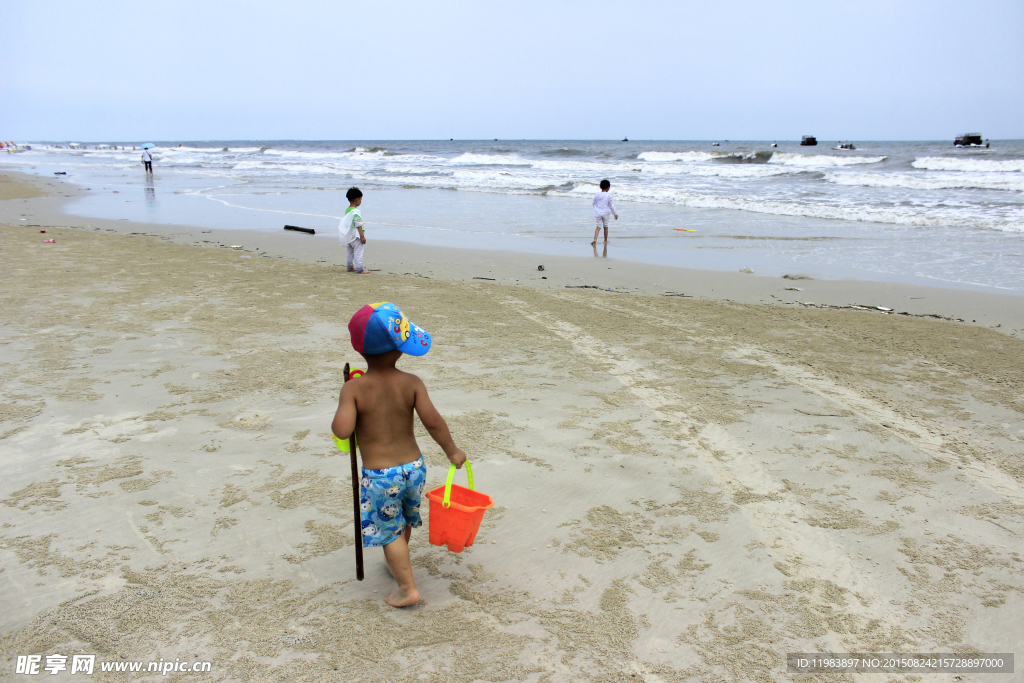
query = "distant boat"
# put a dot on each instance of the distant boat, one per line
(625, 139)
(715, 144)
(808, 141)
(844, 146)
(970, 140)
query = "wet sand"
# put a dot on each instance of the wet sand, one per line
(686, 488)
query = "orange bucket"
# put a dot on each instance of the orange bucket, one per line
(456, 512)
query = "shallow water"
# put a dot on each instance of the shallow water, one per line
(922, 212)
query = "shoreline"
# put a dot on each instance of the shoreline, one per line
(1001, 311)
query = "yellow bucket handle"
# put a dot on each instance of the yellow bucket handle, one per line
(446, 503)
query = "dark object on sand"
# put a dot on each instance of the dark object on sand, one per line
(308, 231)
(970, 140)
(808, 141)
(791, 276)
(540, 267)
(484, 278)
(60, 173)
(355, 495)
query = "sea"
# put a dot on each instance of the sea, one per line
(921, 212)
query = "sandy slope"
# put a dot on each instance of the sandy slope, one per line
(686, 489)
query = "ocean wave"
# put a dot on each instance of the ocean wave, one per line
(564, 152)
(356, 153)
(914, 216)
(282, 167)
(675, 156)
(953, 164)
(742, 157)
(700, 157)
(490, 159)
(719, 170)
(820, 160)
(931, 181)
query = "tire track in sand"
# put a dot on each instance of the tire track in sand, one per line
(910, 432)
(738, 472)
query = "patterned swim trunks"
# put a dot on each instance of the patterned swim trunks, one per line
(389, 500)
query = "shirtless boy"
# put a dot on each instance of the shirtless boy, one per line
(378, 406)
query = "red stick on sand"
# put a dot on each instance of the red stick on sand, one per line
(355, 494)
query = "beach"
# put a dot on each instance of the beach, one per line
(695, 473)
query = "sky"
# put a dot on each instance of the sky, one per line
(170, 70)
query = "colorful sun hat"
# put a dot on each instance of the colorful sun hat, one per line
(382, 327)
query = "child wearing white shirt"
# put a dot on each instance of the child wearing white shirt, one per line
(352, 235)
(604, 206)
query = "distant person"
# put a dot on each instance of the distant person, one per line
(352, 235)
(147, 161)
(378, 409)
(603, 207)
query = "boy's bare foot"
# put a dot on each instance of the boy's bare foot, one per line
(593, 243)
(399, 598)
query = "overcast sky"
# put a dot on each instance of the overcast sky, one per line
(106, 70)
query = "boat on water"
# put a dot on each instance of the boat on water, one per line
(970, 140)
(808, 141)
(844, 146)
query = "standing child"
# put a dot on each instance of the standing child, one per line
(378, 407)
(603, 207)
(352, 235)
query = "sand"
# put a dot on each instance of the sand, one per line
(686, 488)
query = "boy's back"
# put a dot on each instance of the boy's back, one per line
(384, 401)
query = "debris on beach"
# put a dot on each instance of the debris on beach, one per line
(540, 267)
(746, 269)
(882, 309)
(789, 276)
(603, 289)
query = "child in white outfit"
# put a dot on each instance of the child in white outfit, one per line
(352, 235)
(603, 207)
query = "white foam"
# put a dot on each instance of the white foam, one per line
(954, 164)
(820, 160)
(491, 159)
(931, 181)
(675, 156)
(319, 156)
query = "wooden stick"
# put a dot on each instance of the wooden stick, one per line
(355, 494)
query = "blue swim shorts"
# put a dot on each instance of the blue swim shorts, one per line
(389, 500)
